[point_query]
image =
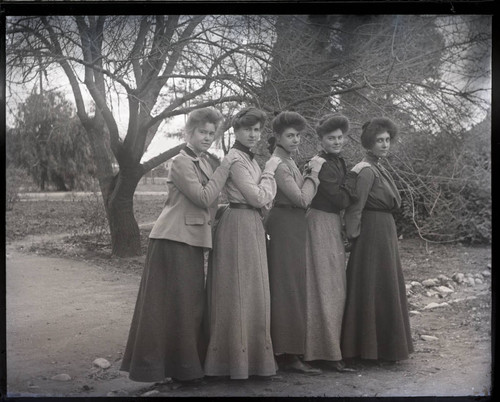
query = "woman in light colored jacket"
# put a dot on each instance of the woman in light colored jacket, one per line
(165, 338)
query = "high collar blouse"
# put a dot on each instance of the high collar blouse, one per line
(247, 184)
(293, 188)
(375, 189)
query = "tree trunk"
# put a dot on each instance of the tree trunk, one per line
(43, 179)
(118, 191)
(59, 183)
(125, 234)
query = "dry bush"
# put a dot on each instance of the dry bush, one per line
(446, 185)
(95, 224)
(14, 179)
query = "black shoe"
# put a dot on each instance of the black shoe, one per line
(299, 366)
(340, 366)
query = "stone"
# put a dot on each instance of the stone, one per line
(429, 338)
(444, 279)
(478, 281)
(444, 290)
(488, 266)
(416, 284)
(415, 312)
(431, 306)
(61, 377)
(469, 275)
(459, 278)
(431, 293)
(102, 363)
(151, 393)
(430, 282)
(470, 280)
(486, 274)
(435, 305)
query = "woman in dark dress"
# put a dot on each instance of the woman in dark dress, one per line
(165, 338)
(286, 228)
(376, 324)
(325, 256)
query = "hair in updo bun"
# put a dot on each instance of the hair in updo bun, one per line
(375, 126)
(199, 117)
(330, 123)
(248, 117)
(281, 122)
(286, 120)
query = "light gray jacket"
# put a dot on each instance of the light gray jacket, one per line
(193, 192)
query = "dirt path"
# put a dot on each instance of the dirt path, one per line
(62, 314)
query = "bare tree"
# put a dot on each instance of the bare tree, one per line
(164, 66)
(427, 72)
(431, 74)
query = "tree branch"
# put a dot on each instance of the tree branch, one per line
(94, 91)
(159, 159)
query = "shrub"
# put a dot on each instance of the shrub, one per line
(14, 178)
(95, 224)
(446, 185)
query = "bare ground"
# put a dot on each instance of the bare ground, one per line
(68, 304)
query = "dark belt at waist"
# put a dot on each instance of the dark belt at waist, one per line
(387, 211)
(326, 209)
(289, 206)
(236, 205)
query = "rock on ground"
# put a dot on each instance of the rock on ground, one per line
(102, 363)
(435, 305)
(429, 338)
(444, 289)
(61, 377)
(430, 282)
(151, 393)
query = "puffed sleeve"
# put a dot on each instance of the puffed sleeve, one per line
(184, 177)
(331, 186)
(364, 183)
(300, 197)
(257, 195)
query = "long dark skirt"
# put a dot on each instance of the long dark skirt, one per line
(287, 262)
(239, 301)
(376, 323)
(165, 338)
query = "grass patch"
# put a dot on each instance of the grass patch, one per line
(419, 261)
(56, 217)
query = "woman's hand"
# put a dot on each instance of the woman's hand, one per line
(316, 163)
(272, 164)
(229, 159)
(349, 244)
